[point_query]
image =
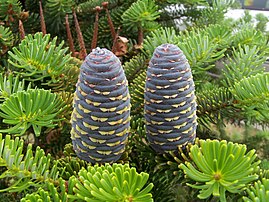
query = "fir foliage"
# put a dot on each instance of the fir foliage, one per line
(6, 39)
(55, 11)
(9, 9)
(10, 85)
(137, 93)
(220, 166)
(215, 13)
(252, 96)
(157, 38)
(140, 13)
(244, 62)
(250, 36)
(213, 105)
(199, 50)
(114, 182)
(135, 66)
(50, 193)
(258, 192)
(39, 57)
(31, 108)
(66, 81)
(228, 61)
(29, 168)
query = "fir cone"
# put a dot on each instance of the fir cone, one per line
(170, 107)
(101, 115)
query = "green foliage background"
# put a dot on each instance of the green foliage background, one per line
(228, 62)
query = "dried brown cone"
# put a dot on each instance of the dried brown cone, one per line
(24, 15)
(21, 30)
(120, 47)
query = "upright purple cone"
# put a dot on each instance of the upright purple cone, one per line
(170, 107)
(101, 116)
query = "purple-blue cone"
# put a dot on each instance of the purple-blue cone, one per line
(101, 116)
(170, 106)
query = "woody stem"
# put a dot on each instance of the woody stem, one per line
(80, 37)
(42, 19)
(111, 26)
(95, 31)
(69, 35)
(114, 46)
(140, 35)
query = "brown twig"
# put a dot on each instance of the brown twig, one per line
(140, 36)
(4, 50)
(83, 52)
(111, 26)
(10, 13)
(95, 31)
(21, 30)
(114, 46)
(69, 36)
(42, 19)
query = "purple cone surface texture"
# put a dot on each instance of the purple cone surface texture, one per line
(170, 107)
(101, 116)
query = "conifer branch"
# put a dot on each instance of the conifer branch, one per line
(32, 168)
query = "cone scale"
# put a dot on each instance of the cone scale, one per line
(170, 107)
(101, 115)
